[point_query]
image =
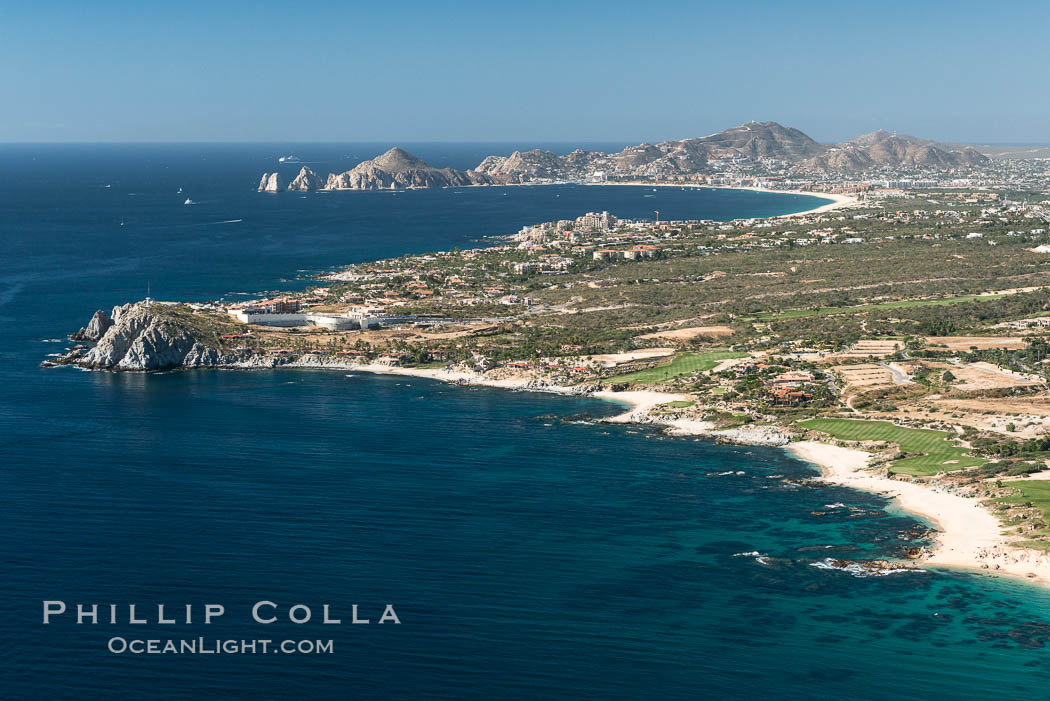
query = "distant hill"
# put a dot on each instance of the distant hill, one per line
(1009, 151)
(881, 149)
(751, 143)
(398, 168)
(754, 141)
(758, 140)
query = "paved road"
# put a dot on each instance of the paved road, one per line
(899, 376)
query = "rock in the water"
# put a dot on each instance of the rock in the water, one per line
(95, 329)
(150, 338)
(398, 169)
(394, 170)
(271, 182)
(306, 180)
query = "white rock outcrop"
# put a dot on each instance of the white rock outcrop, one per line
(306, 180)
(95, 329)
(271, 182)
(394, 170)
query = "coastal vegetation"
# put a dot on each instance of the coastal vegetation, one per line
(686, 363)
(899, 304)
(924, 451)
(1032, 494)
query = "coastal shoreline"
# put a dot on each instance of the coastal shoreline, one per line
(639, 404)
(969, 536)
(837, 200)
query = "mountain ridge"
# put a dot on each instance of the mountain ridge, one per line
(754, 143)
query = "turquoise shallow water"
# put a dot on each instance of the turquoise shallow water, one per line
(529, 551)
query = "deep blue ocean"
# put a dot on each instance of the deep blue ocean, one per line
(528, 552)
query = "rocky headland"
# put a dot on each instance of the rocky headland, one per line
(307, 180)
(396, 169)
(144, 337)
(141, 337)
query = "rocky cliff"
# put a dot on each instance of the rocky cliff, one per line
(167, 336)
(522, 166)
(149, 337)
(95, 329)
(306, 180)
(396, 169)
(271, 182)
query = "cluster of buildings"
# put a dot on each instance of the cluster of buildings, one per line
(781, 384)
(353, 318)
(373, 294)
(635, 253)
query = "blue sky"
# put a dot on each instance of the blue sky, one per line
(535, 71)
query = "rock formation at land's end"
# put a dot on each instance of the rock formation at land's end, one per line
(306, 180)
(397, 169)
(271, 182)
(394, 170)
(95, 329)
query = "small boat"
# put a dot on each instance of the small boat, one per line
(288, 159)
(179, 192)
(189, 201)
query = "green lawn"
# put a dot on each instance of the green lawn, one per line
(680, 364)
(828, 311)
(937, 454)
(1035, 491)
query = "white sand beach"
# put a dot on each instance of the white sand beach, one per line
(838, 200)
(640, 403)
(970, 536)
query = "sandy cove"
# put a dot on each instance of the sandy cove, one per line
(837, 200)
(970, 536)
(639, 403)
